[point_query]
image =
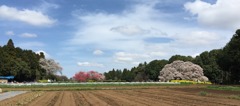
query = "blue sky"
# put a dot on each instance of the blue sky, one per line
(100, 35)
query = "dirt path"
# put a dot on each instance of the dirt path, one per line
(10, 94)
(21, 99)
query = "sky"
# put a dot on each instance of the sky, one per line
(100, 35)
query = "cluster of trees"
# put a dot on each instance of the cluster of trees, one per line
(88, 76)
(222, 65)
(26, 65)
(143, 72)
(219, 65)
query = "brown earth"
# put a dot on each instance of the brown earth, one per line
(211, 91)
(165, 96)
(21, 99)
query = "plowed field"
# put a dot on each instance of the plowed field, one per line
(134, 97)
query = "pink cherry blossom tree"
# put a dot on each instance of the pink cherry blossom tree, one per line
(90, 75)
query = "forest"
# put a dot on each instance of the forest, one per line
(26, 65)
(221, 66)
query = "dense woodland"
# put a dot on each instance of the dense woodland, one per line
(221, 66)
(26, 65)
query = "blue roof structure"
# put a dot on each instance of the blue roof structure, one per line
(7, 77)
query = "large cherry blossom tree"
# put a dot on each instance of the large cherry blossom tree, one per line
(182, 70)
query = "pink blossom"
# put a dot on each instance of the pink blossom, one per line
(90, 75)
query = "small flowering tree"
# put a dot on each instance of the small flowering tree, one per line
(50, 66)
(90, 75)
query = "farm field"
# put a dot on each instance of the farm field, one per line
(125, 96)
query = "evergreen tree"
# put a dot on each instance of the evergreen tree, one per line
(179, 57)
(10, 44)
(230, 59)
(153, 68)
(208, 61)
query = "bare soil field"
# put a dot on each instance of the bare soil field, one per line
(153, 96)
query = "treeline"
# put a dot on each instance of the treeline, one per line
(22, 64)
(221, 66)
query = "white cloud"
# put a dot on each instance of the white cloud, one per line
(108, 32)
(44, 52)
(10, 33)
(224, 13)
(88, 64)
(124, 54)
(195, 55)
(129, 30)
(28, 35)
(46, 6)
(199, 38)
(124, 57)
(32, 17)
(157, 53)
(135, 63)
(98, 52)
(31, 45)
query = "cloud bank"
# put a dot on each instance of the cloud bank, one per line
(28, 35)
(140, 34)
(223, 13)
(32, 17)
(88, 64)
(98, 52)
